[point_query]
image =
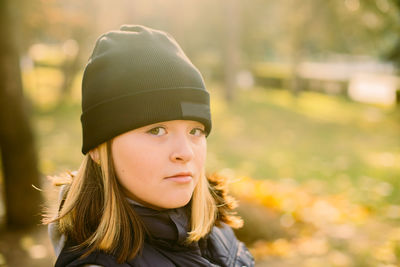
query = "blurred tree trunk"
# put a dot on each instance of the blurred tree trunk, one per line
(299, 29)
(394, 54)
(231, 47)
(18, 154)
(81, 33)
(308, 12)
(70, 69)
(296, 58)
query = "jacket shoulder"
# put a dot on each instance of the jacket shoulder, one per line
(98, 259)
(148, 256)
(227, 249)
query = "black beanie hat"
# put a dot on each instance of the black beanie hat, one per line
(135, 77)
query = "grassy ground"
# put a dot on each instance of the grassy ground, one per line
(268, 134)
(323, 151)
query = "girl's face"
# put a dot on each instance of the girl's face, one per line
(160, 164)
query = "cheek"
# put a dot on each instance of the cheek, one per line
(201, 154)
(136, 171)
(200, 160)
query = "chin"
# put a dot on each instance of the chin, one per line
(175, 202)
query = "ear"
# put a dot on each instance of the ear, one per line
(94, 154)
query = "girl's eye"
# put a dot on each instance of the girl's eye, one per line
(200, 132)
(156, 130)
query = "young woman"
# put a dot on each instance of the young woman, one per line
(141, 196)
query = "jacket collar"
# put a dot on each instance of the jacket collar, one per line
(166, 226)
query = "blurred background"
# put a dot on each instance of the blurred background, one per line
(305, 105)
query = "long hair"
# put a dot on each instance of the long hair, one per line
(95, 214)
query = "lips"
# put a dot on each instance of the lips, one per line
(180, 174)
(181, 178)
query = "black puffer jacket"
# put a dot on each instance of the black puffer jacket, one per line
(165, 246)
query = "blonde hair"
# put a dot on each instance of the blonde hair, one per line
(94, 192)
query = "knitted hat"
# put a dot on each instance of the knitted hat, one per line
(135, 77)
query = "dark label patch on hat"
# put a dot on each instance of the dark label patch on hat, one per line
(191, 109)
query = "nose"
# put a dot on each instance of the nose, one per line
(182, 150)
